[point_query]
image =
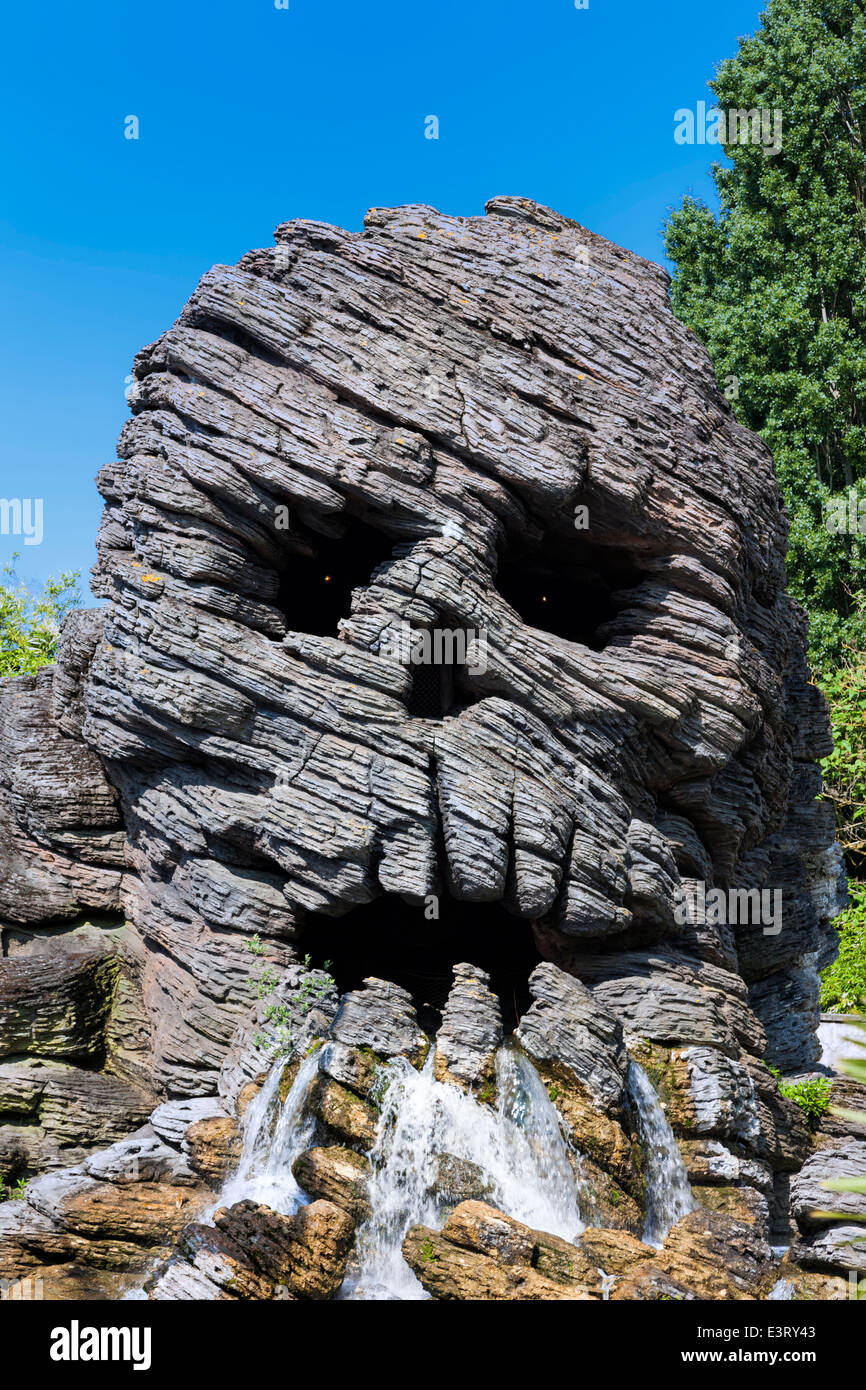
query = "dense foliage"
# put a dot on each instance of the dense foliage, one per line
(30, 623)
(775, 285)
(843, 986)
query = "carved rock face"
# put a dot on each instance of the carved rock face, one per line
(489, 426)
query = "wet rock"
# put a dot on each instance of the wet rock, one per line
(451, 1273)
(615, 1252)
(471, 1031)
(352, 1119)
(307, 1253)
(706, 1093)
(476, 1226)
(216, 1257)
(604, 1200)
(337, 1174)
(483, 1254)
(213, 1146)
(460, 1180)
(306, 1002)
(716, 1255)
(350, 1066)
(744, 1204)
(380, 1017)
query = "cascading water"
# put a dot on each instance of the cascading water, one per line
(668, 1194)
(274, 1136)
(519, 1150)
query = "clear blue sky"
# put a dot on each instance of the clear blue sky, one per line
(249, 116)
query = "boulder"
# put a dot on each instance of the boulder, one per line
(351, 1119)
(566, 1026)
(337, 1174)
(172, 1120)
(213, 1146)
(306, 1253)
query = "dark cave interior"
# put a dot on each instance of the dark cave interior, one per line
(394, 940)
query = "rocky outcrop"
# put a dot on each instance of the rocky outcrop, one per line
(337, 1174)
(829, 1240)
(492, 427)
(471, 1030)
(381, 1018)
(255, 1253)
(482, 1255)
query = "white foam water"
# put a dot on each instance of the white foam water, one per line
(519, 1149)
(668, 1194)
(275, 1135)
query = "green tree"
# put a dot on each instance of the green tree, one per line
(30, 623)
(775, 285)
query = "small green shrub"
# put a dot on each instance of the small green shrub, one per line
(812, 1096)
(314, 986)
(15, 1193)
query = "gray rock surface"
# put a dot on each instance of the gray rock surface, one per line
(566, 1024)
(172, 1120)
(471, 1030)
(838, 1159)
(453, 421)
(381, 1017)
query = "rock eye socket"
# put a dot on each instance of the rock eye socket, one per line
(316, 589)
(572, 599)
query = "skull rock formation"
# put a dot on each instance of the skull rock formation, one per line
(490, 425)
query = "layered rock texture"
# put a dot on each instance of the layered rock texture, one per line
(490, 426)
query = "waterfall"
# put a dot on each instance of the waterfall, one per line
(518, 1151)
(668, 1194)
(274, 1136)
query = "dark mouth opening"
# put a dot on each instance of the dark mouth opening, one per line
(394, 940)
